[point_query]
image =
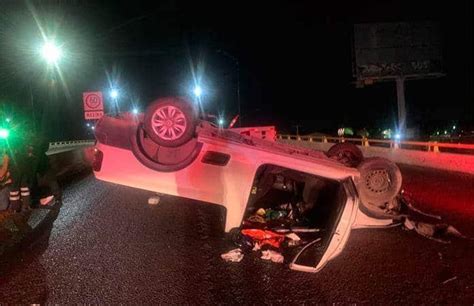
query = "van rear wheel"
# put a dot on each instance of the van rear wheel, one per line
(170, 122)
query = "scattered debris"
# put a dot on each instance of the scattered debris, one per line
(234, 255)
(154, 200)
(264, 237)
(294, 239)
(46, 200)
(256, 219)
(273, 256)
(438, 232)
(404, 199)
(449, 280)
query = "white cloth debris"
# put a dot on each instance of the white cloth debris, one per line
(234, 255)
(273, 256)
(154, 200)
(256, 247)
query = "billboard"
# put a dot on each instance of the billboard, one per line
(390, 50)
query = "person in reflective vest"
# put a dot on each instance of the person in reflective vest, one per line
(22, 174)
(5, 180)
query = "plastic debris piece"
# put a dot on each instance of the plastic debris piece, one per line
(256, 218)
(245, 243)
(256, 247)
(264, 237)
(449, 280)
(234, 255)
(438, 232)
(154, 200)
(46, 200)
(409, 224)
(261, 212)
(293, 237)
(273, 256)
(305, 230)
(271, 214)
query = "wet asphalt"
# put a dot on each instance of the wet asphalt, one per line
(109, 246)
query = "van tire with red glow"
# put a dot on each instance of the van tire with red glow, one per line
(170, 122)
(380, 181)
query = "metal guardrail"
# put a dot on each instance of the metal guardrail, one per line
(431, 146)
(69, 144)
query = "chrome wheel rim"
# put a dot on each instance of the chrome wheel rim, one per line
(169, 122)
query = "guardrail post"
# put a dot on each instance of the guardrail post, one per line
(325, 139)
(298, 138)
(310, 139)
(342, 139)
(365, 142)
(434, 148)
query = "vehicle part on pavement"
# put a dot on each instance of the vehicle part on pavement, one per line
(347, 154)
(160, 158)
(308, 257)
(170, 122)
(234, 255)
(273, 256)
(380, 181)
(153, 200)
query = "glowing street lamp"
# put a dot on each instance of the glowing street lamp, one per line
(197, 91)
(114, 93)
(51, 52)
(4, 133)
(221, 122)
(135, 111)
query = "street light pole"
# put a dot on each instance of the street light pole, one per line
(237, 65)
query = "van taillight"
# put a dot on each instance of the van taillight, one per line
(98, 157)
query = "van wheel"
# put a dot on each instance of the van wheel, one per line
(347, 154)
(380, 181)
(170, 122)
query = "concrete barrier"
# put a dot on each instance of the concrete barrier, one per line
(443, 161)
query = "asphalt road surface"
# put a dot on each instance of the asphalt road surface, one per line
(108, 246)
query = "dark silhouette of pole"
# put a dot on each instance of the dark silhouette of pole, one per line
(237, 67)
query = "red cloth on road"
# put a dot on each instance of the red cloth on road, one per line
(264, 237)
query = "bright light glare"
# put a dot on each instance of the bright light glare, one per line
(221, 121)
(114, 93)
(88, 124)
(135, 111)
(4, 133)
(8, 119)
(93, 127)
(197, 91)
(398, 136)
(454, 127)
(50, 52)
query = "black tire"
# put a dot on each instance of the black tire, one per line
(176, 112)
(380, 181)
(139, 149)
(347, 154)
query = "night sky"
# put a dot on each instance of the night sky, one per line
(294, 59)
